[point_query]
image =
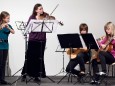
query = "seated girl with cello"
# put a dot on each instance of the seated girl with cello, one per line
(106, 53)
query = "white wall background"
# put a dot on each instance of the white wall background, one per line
(72, 12)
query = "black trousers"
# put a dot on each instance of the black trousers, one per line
(3, 58)
(81, 59)
(95, 69)
(105, 58)
(34, 65)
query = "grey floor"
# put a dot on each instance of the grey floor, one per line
(48, 82)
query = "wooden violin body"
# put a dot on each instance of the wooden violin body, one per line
(47, 16)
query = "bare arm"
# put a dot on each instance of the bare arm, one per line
(8, 27)
(11, 30)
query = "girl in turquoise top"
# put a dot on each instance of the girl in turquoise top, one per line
(5, 30)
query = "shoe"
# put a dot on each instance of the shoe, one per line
(3, 82)
(23, 79)
(97, 82)
(82, 74)
(101, 73)
(92, 82)
(37, 79)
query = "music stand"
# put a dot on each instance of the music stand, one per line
(35, 26)
(91, 43)
(62, 51)
(22, 27)
(41, 26)
(46, 26)
(69, 41)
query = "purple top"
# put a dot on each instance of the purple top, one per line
(36, 36)
(113, 43)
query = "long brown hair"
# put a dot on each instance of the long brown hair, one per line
(3, 15)
(35, 8)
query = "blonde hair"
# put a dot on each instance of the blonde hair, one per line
(109, 25)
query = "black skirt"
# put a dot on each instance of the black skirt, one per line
(34, 65)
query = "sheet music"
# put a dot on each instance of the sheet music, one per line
(36, 26)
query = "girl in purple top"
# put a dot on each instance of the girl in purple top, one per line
(106, 57)
(35, 53)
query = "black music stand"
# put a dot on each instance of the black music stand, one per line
(41, 26)
(69, 41)
(35, 26)
(91, 43)
(22, 27)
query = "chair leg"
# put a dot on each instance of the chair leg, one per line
(112, 71)
(108, 69)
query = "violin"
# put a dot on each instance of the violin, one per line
(47, 16)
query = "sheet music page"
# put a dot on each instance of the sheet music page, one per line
(41, 25)
(53, 24)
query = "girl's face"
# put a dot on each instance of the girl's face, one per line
(40, 10)
(108, 30)
(83, 32)
(6, 19)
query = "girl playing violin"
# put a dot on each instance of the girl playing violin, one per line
(105, 56)
(36, 46)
